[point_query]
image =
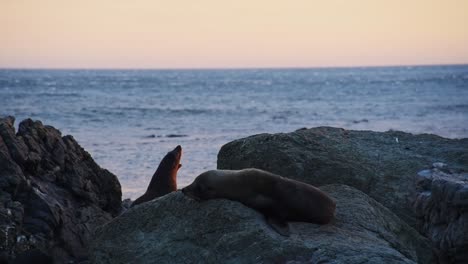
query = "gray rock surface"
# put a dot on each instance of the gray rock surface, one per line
(380, 164)
(52, 194)
(177, 229)
(441, 205)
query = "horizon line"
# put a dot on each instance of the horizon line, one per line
(235, 68)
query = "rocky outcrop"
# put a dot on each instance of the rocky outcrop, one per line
(177, 229)
(382, 165)
(52, 194)
(441, 205)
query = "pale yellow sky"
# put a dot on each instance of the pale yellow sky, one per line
(231, 33)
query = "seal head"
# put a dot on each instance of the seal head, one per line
(206, 186)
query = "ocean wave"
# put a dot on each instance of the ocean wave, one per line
(168, 111)
(451, 108)
(167, 136)
(144, 110)
(49, 94)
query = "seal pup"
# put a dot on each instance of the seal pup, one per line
(279, 199)
(164, 179)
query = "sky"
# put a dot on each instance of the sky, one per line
(231, 33)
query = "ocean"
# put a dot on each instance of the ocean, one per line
(129, 119)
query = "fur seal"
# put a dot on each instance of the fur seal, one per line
(164, 179)
(279, 199)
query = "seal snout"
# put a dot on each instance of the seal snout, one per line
(177, 152)
(187, 192)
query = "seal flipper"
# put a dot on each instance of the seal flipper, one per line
(279, 226)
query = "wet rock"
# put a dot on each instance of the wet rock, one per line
(176, 135)
(441, 206)
(360, 121)
(52, 194)
(126, 204)
(177, 229)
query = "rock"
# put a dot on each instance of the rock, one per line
(177, 229)
(381, 164)
(126, 204)
(441, 205)
(52, 194)
(176, 135)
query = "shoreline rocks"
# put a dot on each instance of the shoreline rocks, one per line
(53, 197)
(441, 205)
(177, 229)
(381, 164)
(52, 194)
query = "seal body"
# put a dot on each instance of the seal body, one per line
(280, 199)
(164, 179)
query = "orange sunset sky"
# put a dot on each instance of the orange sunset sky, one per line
(231, 33)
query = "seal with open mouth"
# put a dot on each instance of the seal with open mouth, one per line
(164, 179)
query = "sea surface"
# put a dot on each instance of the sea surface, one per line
(129, 119)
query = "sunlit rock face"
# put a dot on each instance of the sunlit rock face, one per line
(441, 205)
(52, 194)
(178, 229)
